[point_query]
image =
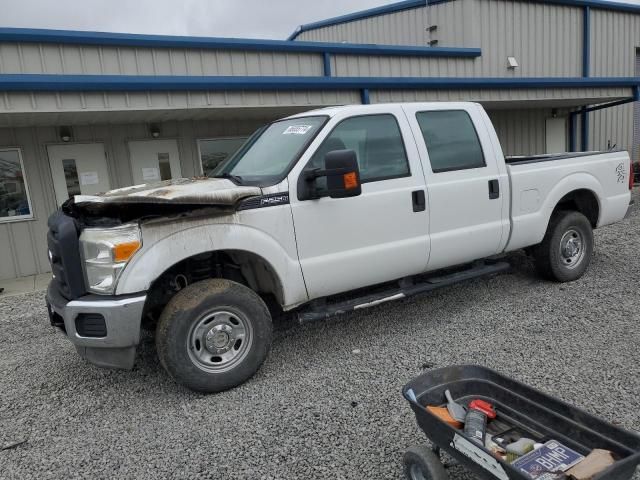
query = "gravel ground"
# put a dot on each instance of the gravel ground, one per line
(327, 402)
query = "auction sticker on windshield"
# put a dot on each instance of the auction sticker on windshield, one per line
(297, 129)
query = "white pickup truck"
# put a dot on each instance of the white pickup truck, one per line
(398, 198)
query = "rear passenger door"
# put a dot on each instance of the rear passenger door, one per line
(380, 235)
(467, 184)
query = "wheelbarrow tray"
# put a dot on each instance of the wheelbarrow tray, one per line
(524, 407)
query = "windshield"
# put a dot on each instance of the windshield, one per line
(267, 156)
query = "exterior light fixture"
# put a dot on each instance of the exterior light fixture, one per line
(512, 62)
(155, 131)
(65, 134)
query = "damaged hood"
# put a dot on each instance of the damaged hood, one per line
(192, 191)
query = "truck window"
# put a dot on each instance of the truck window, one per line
(451, 139)
(378, 144)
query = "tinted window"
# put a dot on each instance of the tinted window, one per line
(214, 151)
(377, 141)
(452, 141)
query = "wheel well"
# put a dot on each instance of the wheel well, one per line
(240, 266)
(583, 201)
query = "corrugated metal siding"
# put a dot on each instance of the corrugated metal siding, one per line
(614, 38)
(499, 95)
(94, 60)
(521, 132)
(611, 126)
(408, 27)
(23, 243)
(16, 102)
(545, 39)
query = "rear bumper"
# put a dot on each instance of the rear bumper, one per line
(113, 346)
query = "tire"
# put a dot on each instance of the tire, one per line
(213, 335)
(565, 252)
(420, 463)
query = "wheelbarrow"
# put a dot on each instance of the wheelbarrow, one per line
(539, 415)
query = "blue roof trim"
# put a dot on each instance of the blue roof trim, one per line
(350, 17)
(88, 83)
(166, 41)
(408, 4)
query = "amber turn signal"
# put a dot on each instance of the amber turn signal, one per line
(350, 180)
(123, 251)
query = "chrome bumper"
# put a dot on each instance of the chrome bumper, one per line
(122, 317)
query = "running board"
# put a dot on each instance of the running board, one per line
(329, 310)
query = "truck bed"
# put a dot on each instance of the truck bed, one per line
(547, 157)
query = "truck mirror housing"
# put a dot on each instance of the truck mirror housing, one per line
(342, 174)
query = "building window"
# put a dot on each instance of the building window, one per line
(14, 196)
(213, 151)
(451, 139)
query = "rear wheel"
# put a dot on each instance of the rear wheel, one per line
(420, 463)
(213, 335)
(565, 251)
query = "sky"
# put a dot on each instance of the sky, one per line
(213, 18)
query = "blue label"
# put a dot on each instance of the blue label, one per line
(551, 457)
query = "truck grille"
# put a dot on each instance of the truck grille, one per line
(64, 255)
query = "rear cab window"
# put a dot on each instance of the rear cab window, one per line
(451, 139)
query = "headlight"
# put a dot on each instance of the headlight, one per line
(105, 253)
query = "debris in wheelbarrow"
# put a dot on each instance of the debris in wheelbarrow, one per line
(565, 438)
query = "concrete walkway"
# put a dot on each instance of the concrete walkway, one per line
(32, 283)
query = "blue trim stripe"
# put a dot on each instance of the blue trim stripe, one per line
(37, 82)
(24, 35)
(326, 64)
(350, 17)
(586, 42)
(408, 4)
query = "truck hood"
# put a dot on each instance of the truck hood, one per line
(192, 191)
(163, 199)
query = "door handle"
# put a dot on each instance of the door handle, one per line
(494, 189)
(419, 201)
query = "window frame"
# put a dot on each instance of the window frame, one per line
(475, 130)
(380, 179)
(198, 140)
(20, 218)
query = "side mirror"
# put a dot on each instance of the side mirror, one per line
(342, 173)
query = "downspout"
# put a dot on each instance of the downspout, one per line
(586, 67)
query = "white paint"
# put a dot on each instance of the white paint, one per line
(144, 157)
(91, 167)
(89, 178)
(556, 135)
(150, 174)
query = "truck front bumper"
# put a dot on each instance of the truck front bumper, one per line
(104, 329)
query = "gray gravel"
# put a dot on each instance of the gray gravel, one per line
(317, 409)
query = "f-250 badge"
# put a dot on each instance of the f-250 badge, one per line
(620, 172)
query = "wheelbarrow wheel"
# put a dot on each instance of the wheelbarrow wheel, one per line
(420, 463)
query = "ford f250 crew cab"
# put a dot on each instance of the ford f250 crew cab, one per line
(398, 198)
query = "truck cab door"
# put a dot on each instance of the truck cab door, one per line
(467, 182)
(378, 236)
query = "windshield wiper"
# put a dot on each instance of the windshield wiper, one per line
(237, 179)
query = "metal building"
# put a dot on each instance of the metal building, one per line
(86, 112)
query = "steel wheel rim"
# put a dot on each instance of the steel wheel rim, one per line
(572, 247)
(416, 472)
(220, 340)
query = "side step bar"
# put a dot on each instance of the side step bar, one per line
(432, 283)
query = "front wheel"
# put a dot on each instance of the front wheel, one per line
(565, 251)
(420, 463)
(213, 335)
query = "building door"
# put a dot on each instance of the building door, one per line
(154, 160)
(556, 135)
(78, 169)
